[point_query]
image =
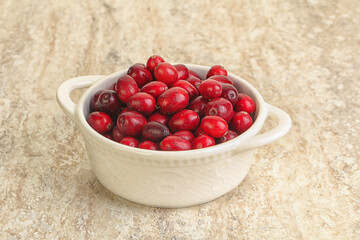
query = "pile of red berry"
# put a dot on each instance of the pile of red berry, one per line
(169, 107)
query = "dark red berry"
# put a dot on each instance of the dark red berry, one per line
(148, 145)
(108, 135)
(117, 136)
(219, 107)
(183, 71)
(94, 103)
(155, 131)
(195, 82)
(228, 136)
(230, 93)
(222, 79)
(142, 102)
(140, 74)
(210, 89)
(108, 102)
(193, 74)
(216, 70)
(198, 105)
(130, 141)
(192, 91)
(187, 135)
(155, 88)
(100, 122)
(131, 123)
(199, 131)
(166, 73)
(158, 117)
(126, 87)
(175, 143)
(214, 126)
(153, 61)
(245, 103)
(202, 141)
(173, 100)
(241, 122)
(184, 120)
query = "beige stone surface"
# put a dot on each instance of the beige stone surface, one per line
(303, 56)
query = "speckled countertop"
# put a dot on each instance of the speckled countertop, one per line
(303, 56)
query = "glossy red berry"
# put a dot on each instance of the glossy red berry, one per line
(108, 102)
(94, 105)
(117, 136)
(193, 74)
(183, 71)
(228, 136)
(173, 100)
(202, 141)
(140, 74)
(216, 70)
(155, 131)
(230, 93)
(198, 105)
(195, 82)
(153, 61)
(219, 107)
(184, 120)
(108, 136)
(210, 89)
(148, 145)
(130, 141)
(199, 131)
(245, 103)
(214, 126)
(126, 87)
(142, 102)
(192, 91)
(241, 122)
(158, 117)
(222, 79)
(131, 123)
(175, 143)
(187, 135)
(100, 122)
(155, 88)
(166, 73)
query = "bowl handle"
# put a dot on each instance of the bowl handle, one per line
(283, 126)
(64, 90)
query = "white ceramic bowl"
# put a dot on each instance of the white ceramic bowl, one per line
(170, 179)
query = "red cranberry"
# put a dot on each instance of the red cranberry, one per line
(175, 143)
(210, 89)
(142, 102)
(230, 93)
(148, 145)
(241, 122)
(245, 103)
(126, 87)
(203, 141)
(158, 117)
(228, 136)
(219, 107)
(214, 126)
(140, 74)
(183, 71)
(130, 141)
(108, 135)
(216, 70)
(194, 81)
(116, 134)
(192, 91)
(155, 88)
(187, 135)
(198, 105)
(94, 105)
(222, 79)
(108, 102)
(166, 73)
(153, 61)
(126, 109)
(173, 100)
(131, 123)
(193, 74)
(155, 131)
(199, 131)
(100, 122)
(184, 120)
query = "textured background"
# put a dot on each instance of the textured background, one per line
(303, 56)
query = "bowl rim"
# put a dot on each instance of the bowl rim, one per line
(175, 155)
